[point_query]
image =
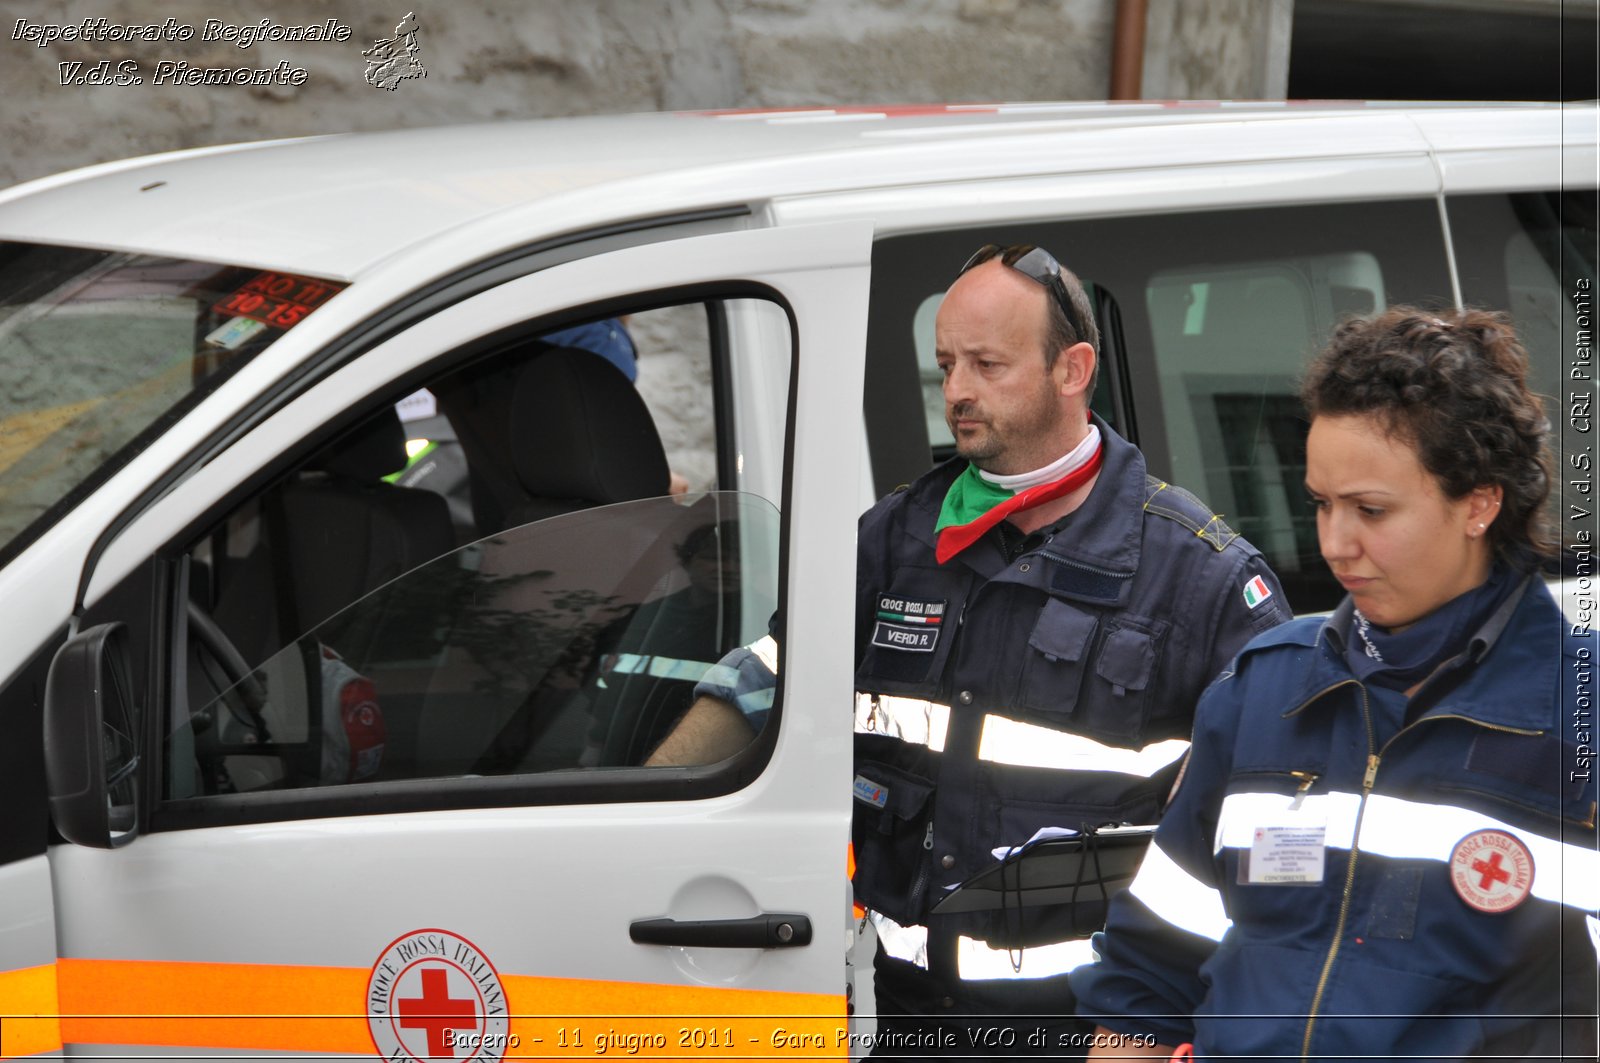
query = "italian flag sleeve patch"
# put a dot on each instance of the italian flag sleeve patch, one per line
(1256, 592)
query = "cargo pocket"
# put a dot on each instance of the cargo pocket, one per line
(891, 830)
(1052, 672)
(1125, 664)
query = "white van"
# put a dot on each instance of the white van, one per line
(341, 575)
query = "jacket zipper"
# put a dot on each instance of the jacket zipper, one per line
(1468, 719)
(1374, 758)
(1349, 871)
(1058, 559)
(920, 883)
(1320, 693)
(1307, 780)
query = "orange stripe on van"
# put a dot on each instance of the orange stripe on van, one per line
(28, 1023)
(322, 1009)
(213, 1005)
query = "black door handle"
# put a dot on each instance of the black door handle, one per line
(765, 931)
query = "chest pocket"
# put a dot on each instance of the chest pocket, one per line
(1525, 772)
(1058, 652)
(912, 627)
(1089, 673)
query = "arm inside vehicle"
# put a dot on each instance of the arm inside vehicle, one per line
(710, 731)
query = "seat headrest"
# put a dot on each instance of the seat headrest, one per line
(579, 430)
(376, 448)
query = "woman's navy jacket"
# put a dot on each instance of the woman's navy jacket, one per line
(1453, 912)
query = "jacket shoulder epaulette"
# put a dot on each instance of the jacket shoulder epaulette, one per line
(1174, 503)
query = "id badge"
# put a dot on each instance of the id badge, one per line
(1287, 848)
(1287, 854)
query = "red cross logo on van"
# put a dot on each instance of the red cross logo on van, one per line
(434, 996)
(436, 1011)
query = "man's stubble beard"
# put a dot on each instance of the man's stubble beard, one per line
(976, 451)
(983, 451)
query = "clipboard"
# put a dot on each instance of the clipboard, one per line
(1057, 871)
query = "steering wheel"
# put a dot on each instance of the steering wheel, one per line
(240, 693)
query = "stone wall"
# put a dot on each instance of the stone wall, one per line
(1220, 49)
(488, 60)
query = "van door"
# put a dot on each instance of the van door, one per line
(396, 719)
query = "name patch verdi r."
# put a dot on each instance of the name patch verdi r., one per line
(908, 623)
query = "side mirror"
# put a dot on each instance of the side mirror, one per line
(91, 751)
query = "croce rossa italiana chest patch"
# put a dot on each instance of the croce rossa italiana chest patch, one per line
(910, 624)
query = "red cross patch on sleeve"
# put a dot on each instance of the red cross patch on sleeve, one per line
(1491, 870)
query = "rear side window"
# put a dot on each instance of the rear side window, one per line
(1533, 255)
(1228, 343)
(1209, 319)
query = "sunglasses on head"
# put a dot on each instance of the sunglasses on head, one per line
(1038, 265)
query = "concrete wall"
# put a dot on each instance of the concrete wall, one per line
(497, 59)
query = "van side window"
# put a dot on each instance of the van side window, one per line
(523, 567)
(1208, 319)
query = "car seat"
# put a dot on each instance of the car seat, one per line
(580, 436)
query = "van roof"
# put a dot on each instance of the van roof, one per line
(338, 205)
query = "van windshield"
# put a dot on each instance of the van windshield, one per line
(99, 349)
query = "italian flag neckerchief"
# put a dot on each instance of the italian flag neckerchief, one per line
(973, 505)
